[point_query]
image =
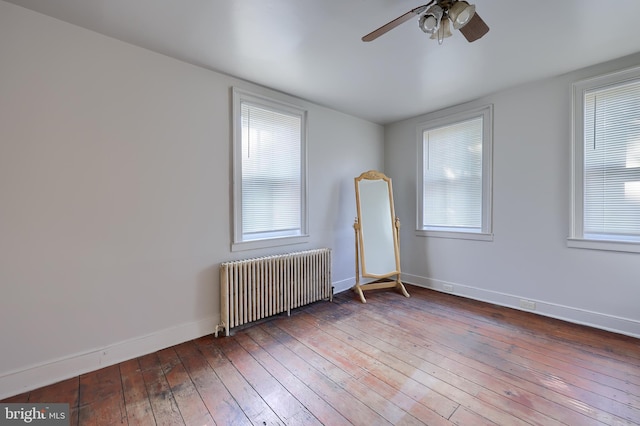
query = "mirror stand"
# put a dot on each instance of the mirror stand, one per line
(381, 283)
(377, 231)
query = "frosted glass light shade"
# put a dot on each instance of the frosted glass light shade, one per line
(461, 13)
(430, 21)
(444, 31)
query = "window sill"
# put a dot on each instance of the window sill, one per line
(623, 246)
(455, 235)
(270, 242)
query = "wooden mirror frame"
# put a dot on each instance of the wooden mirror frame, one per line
(377, 230)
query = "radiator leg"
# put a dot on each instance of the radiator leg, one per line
(218, 327)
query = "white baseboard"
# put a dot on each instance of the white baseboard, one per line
(598, 320)
(343, 285)
(33, 377)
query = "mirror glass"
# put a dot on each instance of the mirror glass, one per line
(377, 235)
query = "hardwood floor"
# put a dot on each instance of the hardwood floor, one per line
(432, 359)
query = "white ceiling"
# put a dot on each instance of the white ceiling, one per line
(312, 48)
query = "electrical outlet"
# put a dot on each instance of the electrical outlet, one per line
(527, 304)
(447, 287)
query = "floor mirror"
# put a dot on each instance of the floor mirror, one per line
(377, 235)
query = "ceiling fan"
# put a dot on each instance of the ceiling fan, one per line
(436, 17)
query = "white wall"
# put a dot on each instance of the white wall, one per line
(115, 197)
(529, 257)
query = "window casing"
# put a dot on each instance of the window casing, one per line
(606, 163)
(454, 175)
(269, 162)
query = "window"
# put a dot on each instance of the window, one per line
(454, 189)
(606, 162)
(269, 140)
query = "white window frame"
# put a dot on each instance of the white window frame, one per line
(274, 239)
(576, 234)
(450, 117)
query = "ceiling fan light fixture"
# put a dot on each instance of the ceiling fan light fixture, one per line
(461, 13)
(428, 24)
(436, 19)
(430, 21)
(444, 31)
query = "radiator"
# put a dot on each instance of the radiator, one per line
(253, 289)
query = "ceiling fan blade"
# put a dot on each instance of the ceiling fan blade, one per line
(399, 20)
(474, 29)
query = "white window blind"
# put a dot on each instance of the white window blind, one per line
(612, 162)
(453, 176)
(269, 172)
(455, 151)
(271, 187)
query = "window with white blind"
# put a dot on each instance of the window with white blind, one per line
(606, 163)
(454, 187)
(269, 172)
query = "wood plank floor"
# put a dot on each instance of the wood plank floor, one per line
(432, 359)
